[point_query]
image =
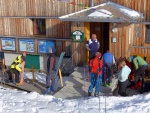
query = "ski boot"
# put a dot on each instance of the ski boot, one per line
(96, 95)
(48, 91)
(52, 88)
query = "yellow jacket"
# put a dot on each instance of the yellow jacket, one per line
(16, 63)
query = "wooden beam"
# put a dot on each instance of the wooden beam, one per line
(33, 79)
(87, 37)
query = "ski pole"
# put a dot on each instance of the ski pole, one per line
(105, 104)
(99, 96)
(84, 81)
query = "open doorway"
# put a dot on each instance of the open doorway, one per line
(102, 32)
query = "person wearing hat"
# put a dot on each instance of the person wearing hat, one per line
(50, 86)
(96, 74)
(16, 70)
(140, 66)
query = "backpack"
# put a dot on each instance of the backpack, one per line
(91, 64)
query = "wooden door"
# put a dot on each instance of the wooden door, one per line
(102, 32)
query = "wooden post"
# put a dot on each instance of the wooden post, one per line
(87, 37)
(33, 79)
(3, 62)
(60, 75)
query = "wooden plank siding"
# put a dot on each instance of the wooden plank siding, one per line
(39, 7)
(127, 40)
(15, 27)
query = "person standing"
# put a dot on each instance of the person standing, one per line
(96, 74)
(108, 61)
(92, 46)
(50, 85)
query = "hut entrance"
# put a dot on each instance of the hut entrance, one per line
(102, 32)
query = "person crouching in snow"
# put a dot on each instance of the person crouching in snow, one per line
(17, 71)
(95, 65)
(123, 80)
(50, 70)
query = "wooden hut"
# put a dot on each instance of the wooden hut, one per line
(44, 19)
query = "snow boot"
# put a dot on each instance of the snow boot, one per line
(48, 91)
(89, 93)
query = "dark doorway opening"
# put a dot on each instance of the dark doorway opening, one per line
(102, 32)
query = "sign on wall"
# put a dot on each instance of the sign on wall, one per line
(26, 45)
(8, 44)
(44, 45)
(78, 36)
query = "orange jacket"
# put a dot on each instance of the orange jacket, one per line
(96, 65)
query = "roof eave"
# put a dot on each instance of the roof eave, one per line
(96, 20)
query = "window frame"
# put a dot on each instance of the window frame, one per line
(147, 34)
(38, 24)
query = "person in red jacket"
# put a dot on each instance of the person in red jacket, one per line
(95, 65)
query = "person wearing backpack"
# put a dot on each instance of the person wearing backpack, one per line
(95, 65)
(109, 62)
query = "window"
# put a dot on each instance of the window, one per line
(39, 27)
(148, 34)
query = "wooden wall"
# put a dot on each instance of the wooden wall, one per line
(78, 49)
(127, 40)
(38, 7)
(16, 27)
(19, 27)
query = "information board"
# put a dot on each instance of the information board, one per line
(26, 45)
(8, 44)
(44, 45)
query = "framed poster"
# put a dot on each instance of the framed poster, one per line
(8, 44)
(44, 45)
(26, 45)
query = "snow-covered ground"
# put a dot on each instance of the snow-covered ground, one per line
(13, 101)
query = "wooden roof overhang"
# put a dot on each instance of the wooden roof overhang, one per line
(105, 12)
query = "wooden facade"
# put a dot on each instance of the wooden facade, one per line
(16, 20)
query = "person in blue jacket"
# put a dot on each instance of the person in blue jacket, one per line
(108, 62)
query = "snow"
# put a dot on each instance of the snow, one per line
(13, 101)
(100, 13)
(130, 13)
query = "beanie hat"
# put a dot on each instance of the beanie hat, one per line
(98, 54)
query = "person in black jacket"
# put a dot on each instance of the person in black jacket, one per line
(50, 69)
